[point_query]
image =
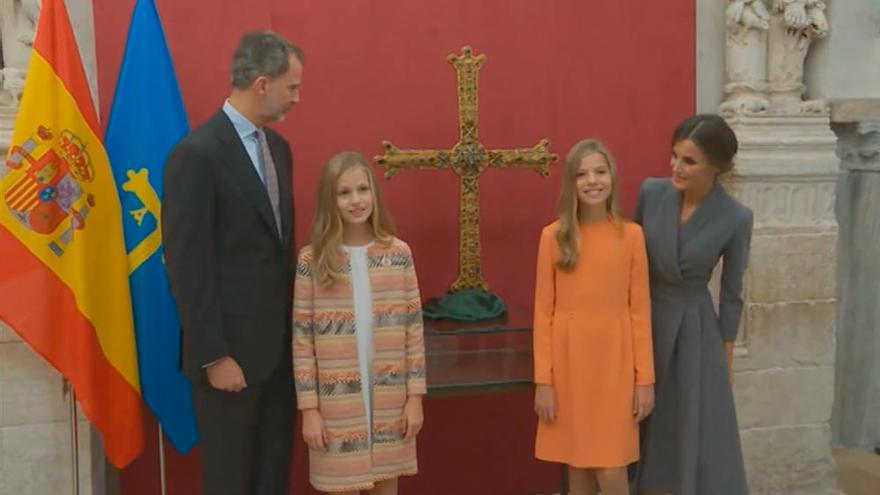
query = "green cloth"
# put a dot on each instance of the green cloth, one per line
(466, 305)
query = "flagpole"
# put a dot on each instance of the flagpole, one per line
(162, 485)
(74, 440)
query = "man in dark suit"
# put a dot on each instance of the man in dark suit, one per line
(227, 223)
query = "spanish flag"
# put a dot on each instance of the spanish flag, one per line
(63, 268)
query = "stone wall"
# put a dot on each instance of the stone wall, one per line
(784, 381)
(848, 65)
(857, 406)
(35, 453)
(710, 54)
(812, 323)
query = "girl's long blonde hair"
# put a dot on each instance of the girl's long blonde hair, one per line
(326, 236)
(568, 207)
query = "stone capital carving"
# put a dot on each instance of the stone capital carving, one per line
(747, 25)
(794, 25)
(766, 50)
(859, 146)
(786, 171)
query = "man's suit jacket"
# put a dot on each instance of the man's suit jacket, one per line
(230, 271)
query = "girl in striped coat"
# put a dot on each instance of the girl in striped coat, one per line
(358, 348)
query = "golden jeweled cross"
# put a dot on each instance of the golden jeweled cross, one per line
(468, 158)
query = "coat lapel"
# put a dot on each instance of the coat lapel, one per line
(242, 168)
(670, 206)
(702, 214)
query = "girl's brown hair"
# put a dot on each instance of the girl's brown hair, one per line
(568, 207)
(326, 235)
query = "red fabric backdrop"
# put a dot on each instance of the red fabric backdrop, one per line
(565, 69)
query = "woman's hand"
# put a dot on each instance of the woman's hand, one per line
(643, 401)
(413, 417)
(313, 430)
(545, 403)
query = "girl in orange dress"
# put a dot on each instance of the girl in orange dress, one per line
(594, 367)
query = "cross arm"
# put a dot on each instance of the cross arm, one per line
(538, 157)
(395, 159)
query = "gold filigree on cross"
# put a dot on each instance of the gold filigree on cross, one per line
(468, 158)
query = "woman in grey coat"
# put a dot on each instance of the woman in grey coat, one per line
(690, 445)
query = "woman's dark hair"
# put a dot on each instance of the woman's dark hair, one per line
(712, 135)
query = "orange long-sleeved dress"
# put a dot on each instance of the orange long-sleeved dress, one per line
(592, 343)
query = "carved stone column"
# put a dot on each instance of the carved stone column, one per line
(787, 172)
(857, 406)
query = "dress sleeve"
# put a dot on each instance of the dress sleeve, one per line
(640, 310)
(415, 340)
(735, 256)
(545, 300)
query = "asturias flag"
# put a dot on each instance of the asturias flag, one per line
(146, 120)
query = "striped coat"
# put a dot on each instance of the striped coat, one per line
(328, 377)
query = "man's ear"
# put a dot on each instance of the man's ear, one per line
(261, 83)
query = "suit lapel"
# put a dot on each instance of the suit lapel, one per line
(239, 164)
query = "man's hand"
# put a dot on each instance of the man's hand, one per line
(225, 374)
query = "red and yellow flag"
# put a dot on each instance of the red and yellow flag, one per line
(63, 268)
